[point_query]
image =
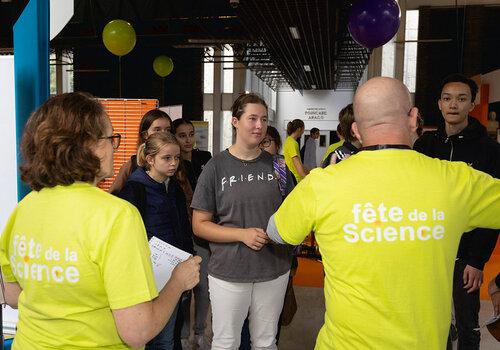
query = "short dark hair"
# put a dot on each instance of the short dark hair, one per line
(147, 119)
(346, 118)
(58, 140)
(240, 103)
(339, 130)
(314, 131)
(459, 78)
(275, 135)
(178, 122)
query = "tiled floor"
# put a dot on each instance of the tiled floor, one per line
(301, 333)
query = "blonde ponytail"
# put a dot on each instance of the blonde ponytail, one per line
(141, 155)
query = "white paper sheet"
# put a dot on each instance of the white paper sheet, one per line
(165, 258)
(10, 318)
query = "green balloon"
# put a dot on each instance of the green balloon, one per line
(163, 65)
(119, 37)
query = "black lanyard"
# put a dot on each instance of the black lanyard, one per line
(379, 147)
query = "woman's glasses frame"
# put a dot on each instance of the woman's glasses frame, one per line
(115, 140)
(266, 142)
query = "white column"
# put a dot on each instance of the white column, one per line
(217, 102)
(375, 63)
(399, 56)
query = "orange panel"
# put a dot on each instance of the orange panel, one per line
(309, 273)
(125, 115)
(491, 269)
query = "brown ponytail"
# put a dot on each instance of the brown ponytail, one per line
(294, 125)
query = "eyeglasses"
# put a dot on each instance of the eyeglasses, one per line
(115, 140)
(266, 142)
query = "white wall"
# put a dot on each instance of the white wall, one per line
(255, 84)
(8, 171)
(292, 105)
(317, 108)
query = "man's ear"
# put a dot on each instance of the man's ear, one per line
(413, 119)
(355, 131)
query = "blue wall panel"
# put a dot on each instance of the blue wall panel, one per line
(31, 67)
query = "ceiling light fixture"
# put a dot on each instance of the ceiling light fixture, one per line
(295, 32)
(307, 68)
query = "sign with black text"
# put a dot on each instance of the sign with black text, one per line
(315, 113)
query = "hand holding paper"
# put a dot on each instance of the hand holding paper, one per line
(187, 273)
(165, 257)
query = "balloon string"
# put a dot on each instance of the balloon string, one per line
(163, 97)
(120, 76)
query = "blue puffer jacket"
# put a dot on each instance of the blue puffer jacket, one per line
(164, 212)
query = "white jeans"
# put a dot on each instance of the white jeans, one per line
(232, 302)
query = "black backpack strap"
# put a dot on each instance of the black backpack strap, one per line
(279, 168)
(139, 195)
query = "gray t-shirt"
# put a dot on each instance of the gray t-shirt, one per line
(310, 160)
(242, 194)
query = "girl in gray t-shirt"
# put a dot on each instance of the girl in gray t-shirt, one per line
(236, 194)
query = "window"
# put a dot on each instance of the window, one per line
(388, 58)
(410, 66)
(52, 72)
(68, 73)
(66, 64)
(208, 72)
(208, 117)
(227, 130)
(227, 70)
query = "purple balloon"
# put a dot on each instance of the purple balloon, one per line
(372, 23)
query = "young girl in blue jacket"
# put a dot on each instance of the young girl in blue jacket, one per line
(154, 190)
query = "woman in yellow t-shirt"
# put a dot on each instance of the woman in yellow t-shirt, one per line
(75, 259)
(294, 130)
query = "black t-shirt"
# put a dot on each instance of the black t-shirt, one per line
(195, 166)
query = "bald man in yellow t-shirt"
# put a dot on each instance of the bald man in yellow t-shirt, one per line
(388, 222)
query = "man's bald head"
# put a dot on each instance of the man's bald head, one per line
(381, 105)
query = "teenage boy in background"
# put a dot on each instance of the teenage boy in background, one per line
(463, 138)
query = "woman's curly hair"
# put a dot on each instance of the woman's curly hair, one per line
(58, 140)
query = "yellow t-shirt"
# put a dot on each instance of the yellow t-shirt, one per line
(332, 148)
(290, 150)
(388, 224)
(77, 252)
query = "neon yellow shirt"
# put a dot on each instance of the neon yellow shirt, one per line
(290, 150)
(332, 148)
(77, 252)
(388, 224)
